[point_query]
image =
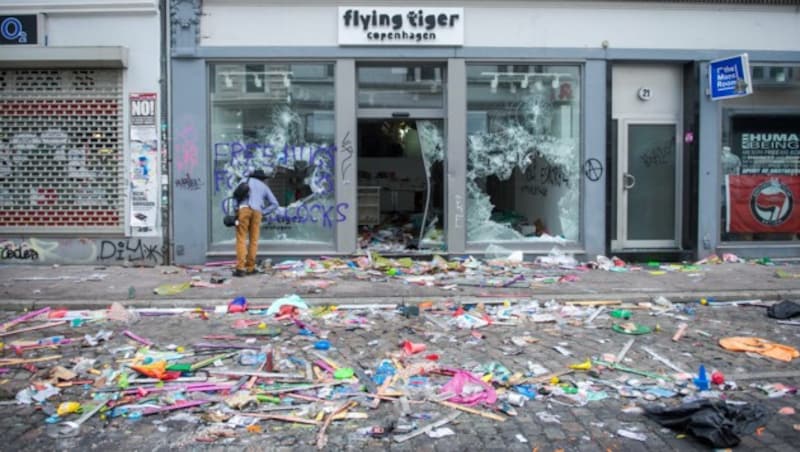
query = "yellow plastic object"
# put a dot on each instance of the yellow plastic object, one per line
(586, 365)
(172, 289)
(66, 408)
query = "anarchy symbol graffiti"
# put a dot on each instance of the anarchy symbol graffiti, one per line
(593, 169)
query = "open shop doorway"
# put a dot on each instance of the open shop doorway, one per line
(401, 186)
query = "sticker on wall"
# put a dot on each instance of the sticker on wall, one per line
(144, 163)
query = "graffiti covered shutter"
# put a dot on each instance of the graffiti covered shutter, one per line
(61, 151)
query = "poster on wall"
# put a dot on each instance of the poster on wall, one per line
(144, 164)
(766, 143)
(762, 203)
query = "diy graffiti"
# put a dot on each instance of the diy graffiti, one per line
(593, 169)
(23, 251)
(347, 149)
(235, 159)
(188, 182)
(131, 250)
(542, 175)
(186, 151)
(660, 155)
(327, 215)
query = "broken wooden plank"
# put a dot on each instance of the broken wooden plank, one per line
(472, 411)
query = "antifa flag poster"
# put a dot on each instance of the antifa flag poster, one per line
(144, 164)
(762, 203)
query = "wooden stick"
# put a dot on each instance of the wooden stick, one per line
(472, 411)
(595, 314)
(427, 428)
(681, 330)
(302, 388)
(279, 417)
(322, 438)
(33, 328)
(595, 303)
(14, 362)
(624, 351)
(255, 373)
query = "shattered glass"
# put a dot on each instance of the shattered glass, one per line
(278, 118)
(523, 152)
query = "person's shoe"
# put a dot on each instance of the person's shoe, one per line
(252, 272)
(239, 273)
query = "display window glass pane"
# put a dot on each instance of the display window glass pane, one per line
(760, 159)
(278, 118)
(523, 153)
(401, 86)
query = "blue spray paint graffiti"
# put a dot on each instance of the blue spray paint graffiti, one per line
(235, 159)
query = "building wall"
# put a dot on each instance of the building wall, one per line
(76, 36)
(623, 25)
(593, 34)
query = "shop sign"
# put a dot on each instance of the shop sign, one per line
(729, 77)
(20, 29)
(762, 203)
(401, 26)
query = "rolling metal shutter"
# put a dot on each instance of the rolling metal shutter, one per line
(61, 151)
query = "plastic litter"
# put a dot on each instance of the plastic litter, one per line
(761, 346)
(632, 435)
(715, 422)
(291, 300)
(237, 305)
(468, 389)
(784, 310)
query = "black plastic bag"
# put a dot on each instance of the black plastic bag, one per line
(784, 310)
(716, 422)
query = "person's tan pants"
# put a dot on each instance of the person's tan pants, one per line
(249, 227)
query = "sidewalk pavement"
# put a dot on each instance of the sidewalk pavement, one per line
(87, 286)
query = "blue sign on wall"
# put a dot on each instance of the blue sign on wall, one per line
(21, 29)
(730, 77)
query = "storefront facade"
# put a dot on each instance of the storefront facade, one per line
(80, 135)
(460, 128)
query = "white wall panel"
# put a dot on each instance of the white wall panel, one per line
(507, 24)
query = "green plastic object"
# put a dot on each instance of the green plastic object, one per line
(267, 398)
(343, 373)
(180, 367)
(621, 314)
(269, 331)
(638, 329)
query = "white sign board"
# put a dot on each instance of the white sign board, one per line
(400, 26)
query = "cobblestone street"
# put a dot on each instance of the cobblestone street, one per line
(525, 346)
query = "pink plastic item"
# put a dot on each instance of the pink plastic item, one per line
(469, 389)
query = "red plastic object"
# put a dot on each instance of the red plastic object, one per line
(717, 378)
(412, 349)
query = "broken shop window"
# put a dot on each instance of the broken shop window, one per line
(278, 118)
(523, 153)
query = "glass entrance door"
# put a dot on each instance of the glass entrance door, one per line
(648, 184)
(401, 157)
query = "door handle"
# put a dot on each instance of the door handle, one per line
(628, 181)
